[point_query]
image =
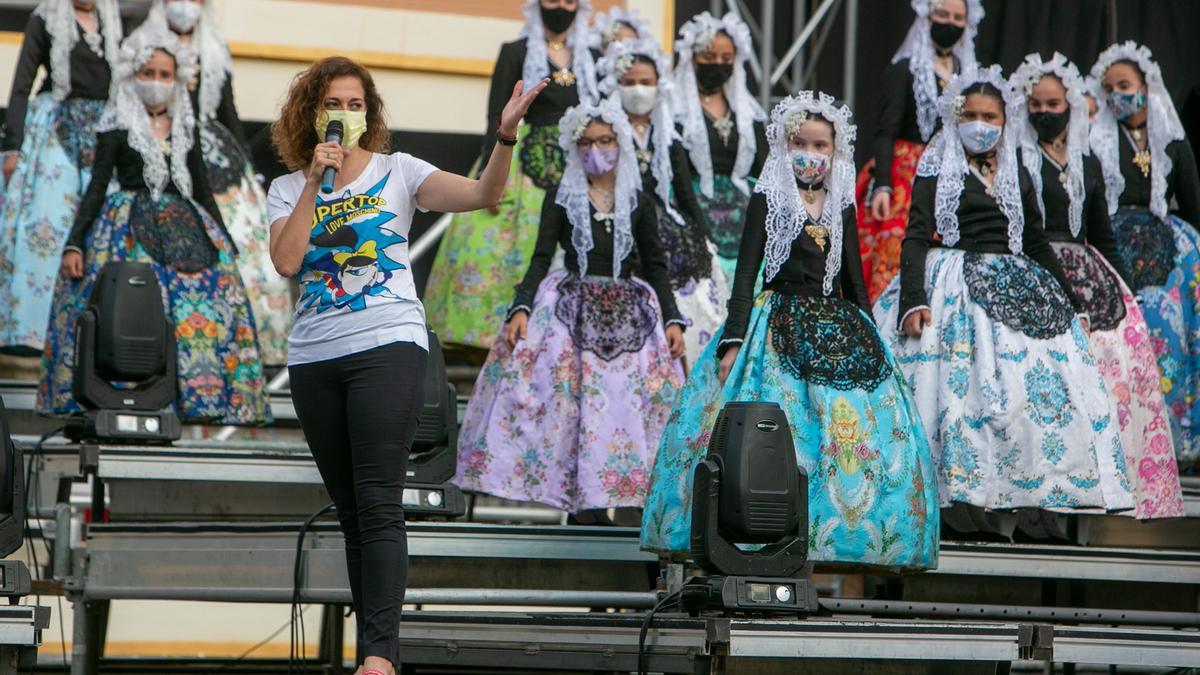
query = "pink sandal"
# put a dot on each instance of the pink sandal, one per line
(373, 671)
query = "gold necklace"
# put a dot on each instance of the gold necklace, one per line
(555, 45)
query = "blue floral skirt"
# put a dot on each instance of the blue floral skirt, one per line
(1162, 258)
(216, 345)
(871, 491)
(39, 209)
(1015, 406)
(726, 214)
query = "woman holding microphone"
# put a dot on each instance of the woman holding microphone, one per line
(357, 351)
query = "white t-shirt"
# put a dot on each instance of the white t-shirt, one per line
(356, 285)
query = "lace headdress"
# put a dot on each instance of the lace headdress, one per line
(537, 64)
(919, 49)
(1162, 127)
(59, 16)
(946, 158)
(611, 68)
(606, 25)
(209, 46)
(573, 189)
(125, 110)
(786, 215)
(1023, 80)
(696, 35)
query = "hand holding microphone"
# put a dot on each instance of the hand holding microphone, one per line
(327, 157)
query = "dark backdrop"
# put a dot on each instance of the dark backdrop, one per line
(1080, 29)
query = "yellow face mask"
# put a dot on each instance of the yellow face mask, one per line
(354, 125)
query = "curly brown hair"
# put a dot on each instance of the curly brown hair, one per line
(294, 134)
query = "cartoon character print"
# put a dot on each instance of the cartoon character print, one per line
(354, 254)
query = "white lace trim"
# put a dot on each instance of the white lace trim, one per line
(126, 111)
(59, 16)
(209, 46)
(946, 158)
(697, 34)
(537, 65)
(611, 68)
(918, 48)
(605, 24)
(573, 188)
(1024, 79)
(786, 215)
(1162, 127)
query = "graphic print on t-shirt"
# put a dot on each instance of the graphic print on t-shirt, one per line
(354, 254)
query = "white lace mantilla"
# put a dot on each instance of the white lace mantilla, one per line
(696, 35)
(606, 24)
(59, 16)
(1162, 127)
(919, 49)
(537, 65)
(125, 110)
(786, 215)
(610, 69)
(573, 189)
(208, 46)
(946, 158)
(1023, 80)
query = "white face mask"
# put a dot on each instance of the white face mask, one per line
(183, 15)
(978, 136)
(153, 92)
(639, 99)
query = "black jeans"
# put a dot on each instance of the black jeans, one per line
(359, 414)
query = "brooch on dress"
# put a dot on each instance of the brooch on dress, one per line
(564, 77)
(818, 233)
(724, 127)
(1141, 159)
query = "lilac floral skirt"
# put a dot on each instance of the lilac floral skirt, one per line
(572, 416)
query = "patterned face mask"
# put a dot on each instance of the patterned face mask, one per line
(1125, 106)
(978, 136)
(810, 167)
(597, 161)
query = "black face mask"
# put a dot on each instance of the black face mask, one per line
(557, 20)
(712, 76)
(1049, 125)
(945, 35)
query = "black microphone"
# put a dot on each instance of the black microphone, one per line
(333, 134)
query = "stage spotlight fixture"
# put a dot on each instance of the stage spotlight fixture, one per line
(750, 517)
(125, 374)
(434, 457)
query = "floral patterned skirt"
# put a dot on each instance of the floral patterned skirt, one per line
(1016, 409)
(1163, 260)
(571, 417)
(483, 256)
(1121, 345)
(243, 206)
(871, 492)
(699, 284)
(726, 213)
(879, 242)
(38, 211)
(216, 348)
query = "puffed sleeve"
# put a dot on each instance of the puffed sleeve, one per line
(108, 147)
(854, 288)
(653, 262)
(505, 76)
(750, 257)
(1095, 217)
(917, 240)
(1036, 244)
(554, 218)
(35, 50)
(893, 101)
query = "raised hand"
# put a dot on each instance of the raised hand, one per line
(518, 105)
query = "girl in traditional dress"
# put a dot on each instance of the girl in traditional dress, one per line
(164, 214)
(721, 122)
(940, 42)
(481, 257)
(618, 25)
(1148, 162)
(48, 145)
(807, 342)
(1014, 404)
(570, 405)
(1070, 185)
(234, 181)
(635, 74)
